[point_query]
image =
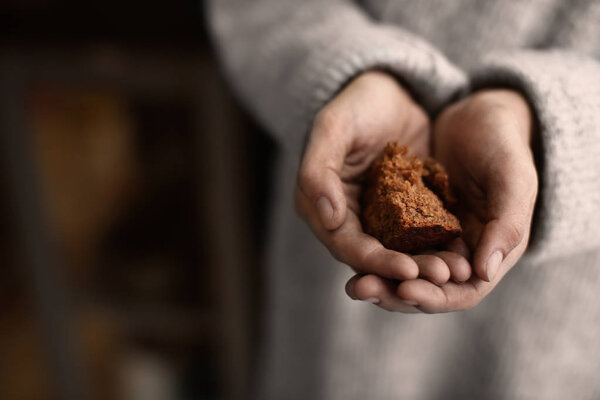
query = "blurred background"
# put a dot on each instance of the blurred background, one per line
(133, 192)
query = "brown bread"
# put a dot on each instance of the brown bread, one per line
(400, 203)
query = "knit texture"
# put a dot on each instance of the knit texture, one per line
(287, 58)
(536, 335)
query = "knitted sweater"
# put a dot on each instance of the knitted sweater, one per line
(537, 335)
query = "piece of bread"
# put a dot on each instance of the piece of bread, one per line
(400, 204)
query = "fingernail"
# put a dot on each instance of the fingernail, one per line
(325, 210)
(491, 267)
(373, 300)
(457, 281)
(411, 303)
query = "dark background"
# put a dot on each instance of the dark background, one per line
(133, 201)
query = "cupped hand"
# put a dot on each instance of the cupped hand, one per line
(347, 135)
(484, 142)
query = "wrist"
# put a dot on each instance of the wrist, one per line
(384, 82)
(512, 102)
(373, 103)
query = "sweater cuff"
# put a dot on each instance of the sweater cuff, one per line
(563, 90)
(360, 45)
(431, 79)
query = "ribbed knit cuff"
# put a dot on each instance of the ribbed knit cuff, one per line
(426, 73)
(288, 58)
(355, 48)
(564, 91)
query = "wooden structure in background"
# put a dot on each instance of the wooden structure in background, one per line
(57, 251)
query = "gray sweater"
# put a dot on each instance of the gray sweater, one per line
(537, 335)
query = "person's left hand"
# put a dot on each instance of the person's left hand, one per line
(484, 142)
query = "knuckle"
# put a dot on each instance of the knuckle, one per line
(341, 253)
(364, 259)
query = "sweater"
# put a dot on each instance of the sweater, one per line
(536, 336)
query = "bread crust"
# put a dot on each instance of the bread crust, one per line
(404, 202)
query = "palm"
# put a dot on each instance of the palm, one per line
(370, 140)
(472, 207)
(480, 153)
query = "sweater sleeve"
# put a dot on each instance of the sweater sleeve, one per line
(563, 89)
(287, 58)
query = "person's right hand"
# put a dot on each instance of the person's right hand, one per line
(347, 135)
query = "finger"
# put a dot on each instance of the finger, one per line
(319, 173)
(460, 269)
(378, 291)
(511, 198)
(432, 268)
(351, 286)
(451, 296)
(365, 254)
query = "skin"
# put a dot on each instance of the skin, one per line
(482, 140)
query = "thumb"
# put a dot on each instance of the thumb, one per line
(319, 174)
(510, 208)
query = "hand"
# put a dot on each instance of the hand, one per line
(484, 142)
(347, 135)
